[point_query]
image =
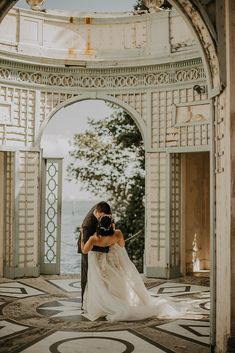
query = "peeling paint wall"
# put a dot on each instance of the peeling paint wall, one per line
(68, 38)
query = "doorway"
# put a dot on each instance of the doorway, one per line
(195, 213)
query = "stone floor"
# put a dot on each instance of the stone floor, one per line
(43, 315)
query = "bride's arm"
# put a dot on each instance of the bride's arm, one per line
(93, 240)
(88, 245)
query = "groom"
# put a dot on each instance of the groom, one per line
(88, 228)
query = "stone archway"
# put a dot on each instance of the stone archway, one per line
(138, 119)
(52, 234)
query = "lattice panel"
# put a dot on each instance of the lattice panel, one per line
(51, 213)
(156, 209)
(136, 101)
(51, 225)
(28, 208)
(166, 132)
(20, 130)
(9, 207)
(175, 206)
(50, 100)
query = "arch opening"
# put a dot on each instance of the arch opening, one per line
(115, 184)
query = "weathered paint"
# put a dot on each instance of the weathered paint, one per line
(72, 54)
(88, 20)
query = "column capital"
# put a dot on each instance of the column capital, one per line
(35, 4)
(153, 5)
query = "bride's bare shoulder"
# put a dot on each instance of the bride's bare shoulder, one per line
(120, 237)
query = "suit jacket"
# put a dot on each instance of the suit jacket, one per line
(89, 226)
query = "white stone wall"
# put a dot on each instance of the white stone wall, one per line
(19, 130)
(28, 205)
(180, 117)
(93, 37)
(156, 215)
(160, 97)
(167, 117)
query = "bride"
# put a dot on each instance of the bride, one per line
(115, 289)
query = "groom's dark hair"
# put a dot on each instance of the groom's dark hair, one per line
(105, 226)
(103, 207)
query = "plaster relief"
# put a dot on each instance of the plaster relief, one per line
(191, 113)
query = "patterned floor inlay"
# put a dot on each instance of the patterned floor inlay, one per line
(66, 309)
(202, 306)
(18, 290)
(192, 330)
(67, 285)
(2, 303)
(175, 289)
(8, 328)
(95, 342)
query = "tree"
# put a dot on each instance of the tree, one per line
(140, 5)
(109, 161)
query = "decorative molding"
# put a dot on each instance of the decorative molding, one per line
(191, 113)
(146, 76)
(5, 113)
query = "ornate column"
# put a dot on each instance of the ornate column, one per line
(153, 5)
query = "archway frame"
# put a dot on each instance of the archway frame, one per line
(98, 96)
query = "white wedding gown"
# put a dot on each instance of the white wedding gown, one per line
(115, 290)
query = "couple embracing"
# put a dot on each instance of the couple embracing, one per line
(111, 285)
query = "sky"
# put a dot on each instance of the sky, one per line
(85, 5)
(61, 128)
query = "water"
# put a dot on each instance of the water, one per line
(73, 213)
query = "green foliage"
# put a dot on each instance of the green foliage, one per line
(109, 160)
(140, 5)
(166, 5)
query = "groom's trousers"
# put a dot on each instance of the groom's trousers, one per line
(84, 268)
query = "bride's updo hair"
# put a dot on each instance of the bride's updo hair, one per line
(105, 226)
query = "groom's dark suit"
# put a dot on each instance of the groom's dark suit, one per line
(88, 226)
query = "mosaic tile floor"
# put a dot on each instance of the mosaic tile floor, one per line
(44, 315)
(8, 328)
(67, 285)
(66, 309)
(176, 289)
(18, 290)
(120, 341)
(193, 330)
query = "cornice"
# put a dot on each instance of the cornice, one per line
(144, 76)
